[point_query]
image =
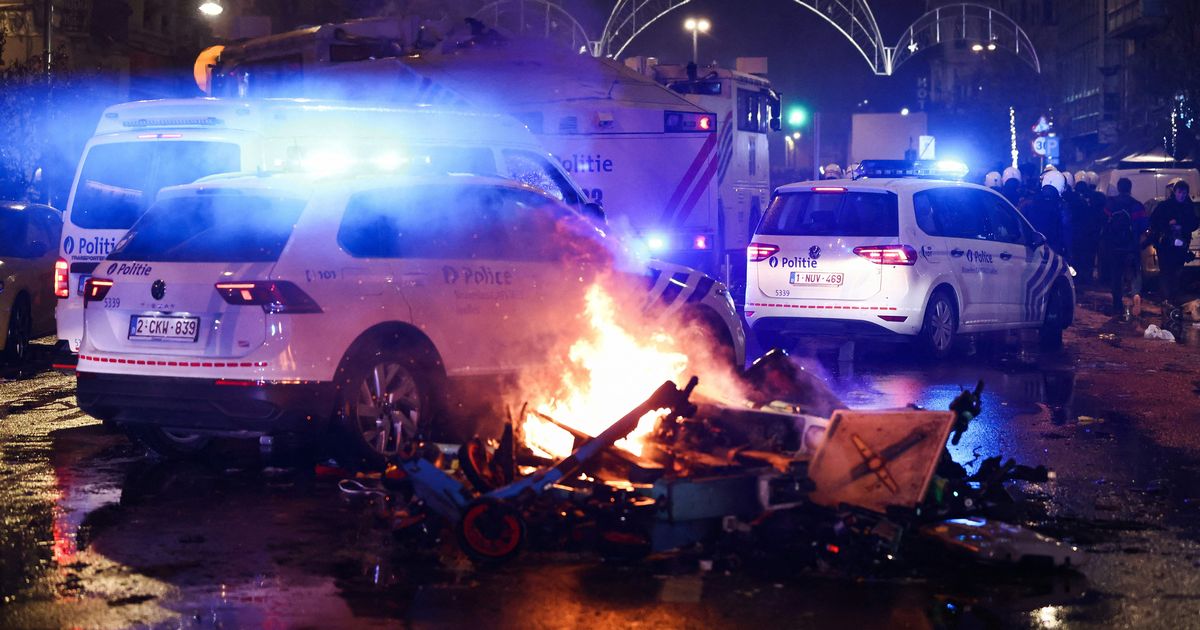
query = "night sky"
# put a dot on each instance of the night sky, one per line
(810, 61)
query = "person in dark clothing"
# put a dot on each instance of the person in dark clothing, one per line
(1087, 221)
(1048, 214)
(1124, 202)
(1171, 228)
(1011, 186)
(1119, 249)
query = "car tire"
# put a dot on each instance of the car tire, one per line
(374, 433)
(1050, 335)
(768, 341)
(703, 327)
(169, 443)
(20, 329)
(939, 325)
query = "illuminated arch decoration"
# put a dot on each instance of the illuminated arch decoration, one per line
(967, 22)
(853, 18)
(974, 23)
(537, 18)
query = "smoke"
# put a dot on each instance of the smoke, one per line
(615, 342)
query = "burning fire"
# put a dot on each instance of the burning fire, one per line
(611, 370)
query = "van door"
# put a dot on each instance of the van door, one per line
(959, 214)
(1005, 232)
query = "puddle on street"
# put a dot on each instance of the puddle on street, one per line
(100, 535)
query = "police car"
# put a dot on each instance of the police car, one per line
(259, 305)
(902, 250)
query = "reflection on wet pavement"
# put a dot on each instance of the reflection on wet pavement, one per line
(97, 535)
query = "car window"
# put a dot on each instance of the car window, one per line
(39, 235)
(13, 230)
(832, 214)
(950, 212)
(211, 228)
(535, 170)
(120, 180)
(457, 222)
(1003, 223)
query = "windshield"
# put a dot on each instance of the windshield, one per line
(120, 180)
(228, 227)
(832, 214)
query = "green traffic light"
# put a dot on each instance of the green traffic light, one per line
(797, 117)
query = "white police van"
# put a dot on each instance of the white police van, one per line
(903, 250)
(265, 304)
(140, 148)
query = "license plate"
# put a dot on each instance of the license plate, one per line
(164, 327)
(817, 279)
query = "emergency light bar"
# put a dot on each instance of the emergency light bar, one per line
(920, 169)
(141, 123)
(688, 121)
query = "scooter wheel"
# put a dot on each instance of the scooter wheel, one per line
(491, 531)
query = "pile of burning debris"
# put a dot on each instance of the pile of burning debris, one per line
(785, 471)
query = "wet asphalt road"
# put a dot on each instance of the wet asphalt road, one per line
(97, 534)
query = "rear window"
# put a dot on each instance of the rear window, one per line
(211, 228)
(832, 214)
(120, 180)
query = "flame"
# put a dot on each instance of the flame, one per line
(612, 368)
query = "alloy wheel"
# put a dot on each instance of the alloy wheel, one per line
(943, 324)
(388, 407)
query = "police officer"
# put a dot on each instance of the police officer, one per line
(1048, 213)
(1171, 228)
(1010, 185)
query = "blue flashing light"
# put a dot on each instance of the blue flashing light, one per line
(919, 169)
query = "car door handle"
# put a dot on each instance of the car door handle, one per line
(956, 252)
(1005, 256)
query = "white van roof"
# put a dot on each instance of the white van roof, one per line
(282, 117)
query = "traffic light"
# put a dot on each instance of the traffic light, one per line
(797, 117)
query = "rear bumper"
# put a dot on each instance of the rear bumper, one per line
(820, 327)
(827, 317)
(203, 406)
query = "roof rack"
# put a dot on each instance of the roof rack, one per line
(917, 169)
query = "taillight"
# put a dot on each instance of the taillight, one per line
(62, 279)
(888, 254)
(758, 252)
(828, 189)
(274, 296)
(95, 289)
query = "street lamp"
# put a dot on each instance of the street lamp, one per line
(696, 26)
(211, 8)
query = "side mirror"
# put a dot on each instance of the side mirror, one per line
(1038, 240)
(595, 212)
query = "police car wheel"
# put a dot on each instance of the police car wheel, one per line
(940, 324)
(384, 404)
(168, 443)
(16, 346)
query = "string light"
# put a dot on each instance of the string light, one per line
(1012, 135)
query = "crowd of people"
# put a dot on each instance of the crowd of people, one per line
(1102, 237)
(1087, 227)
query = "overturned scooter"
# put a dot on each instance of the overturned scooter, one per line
(490, 526)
